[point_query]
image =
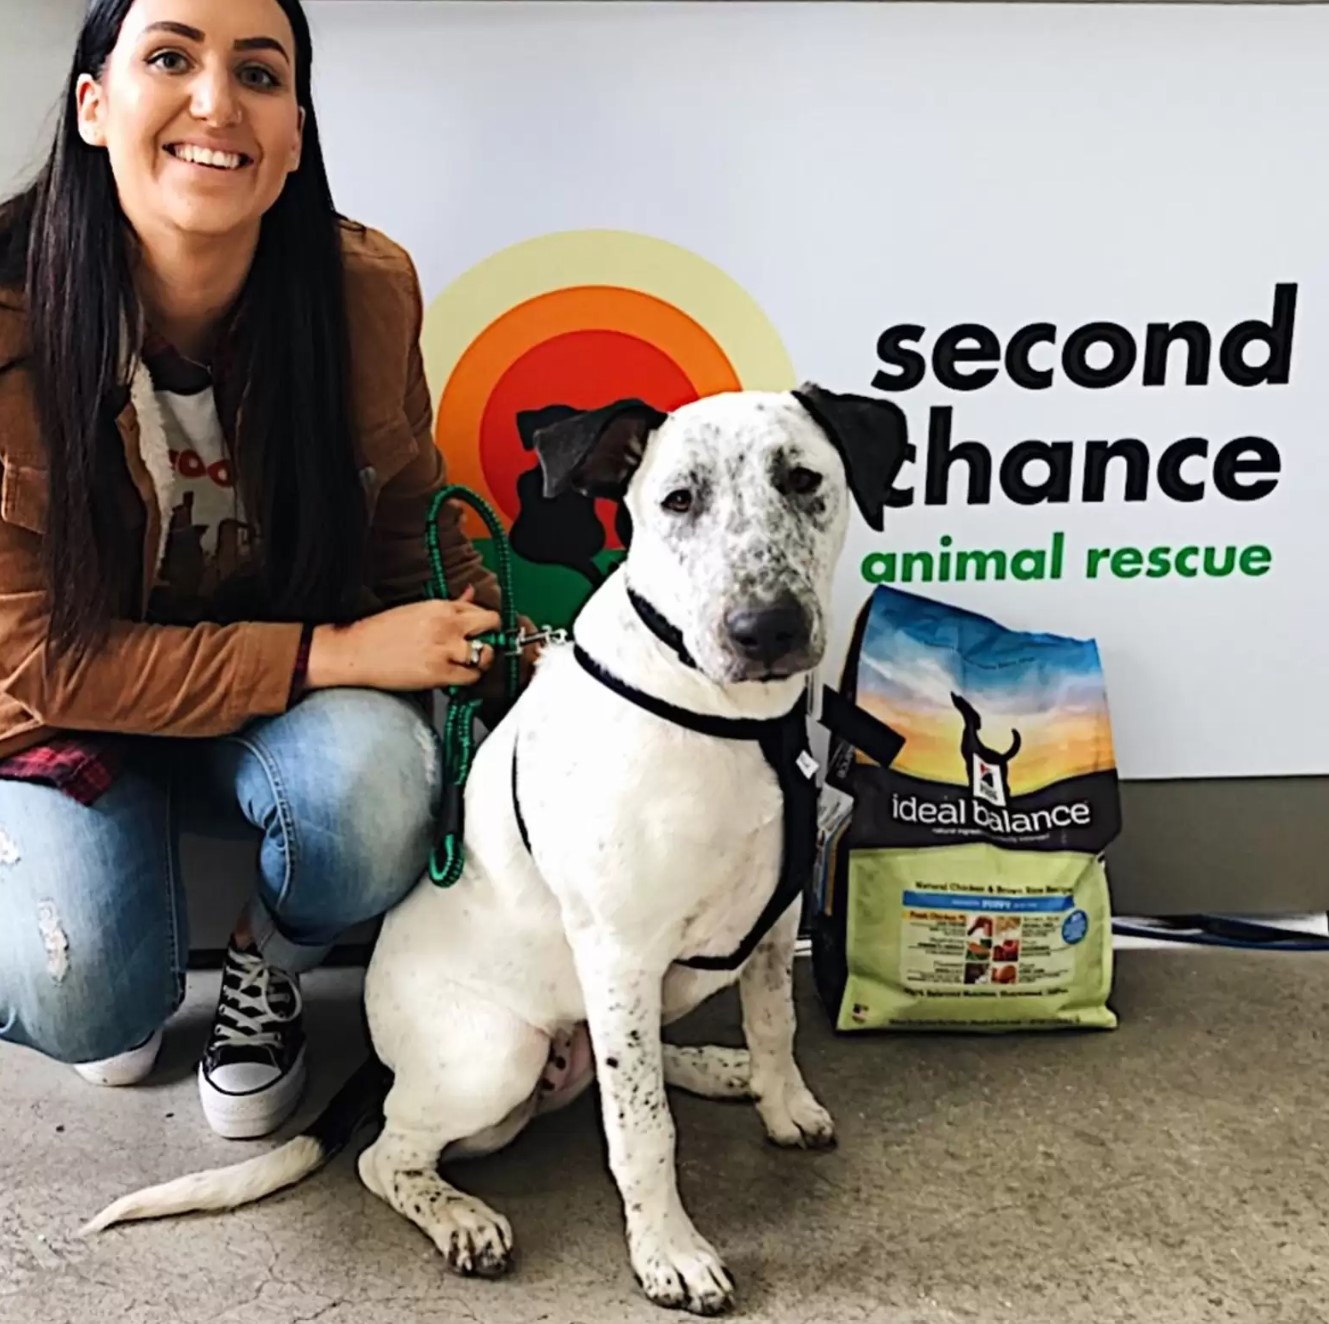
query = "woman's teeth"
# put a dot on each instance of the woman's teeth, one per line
(206, 157)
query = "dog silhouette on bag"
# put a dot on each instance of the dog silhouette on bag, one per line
(989, 770)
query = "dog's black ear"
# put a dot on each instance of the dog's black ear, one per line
(595, 451)
(872, 437)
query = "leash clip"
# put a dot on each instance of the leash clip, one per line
(547, 635)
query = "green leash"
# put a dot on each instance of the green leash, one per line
(458, 737)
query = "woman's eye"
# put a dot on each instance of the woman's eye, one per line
(171, 62)
(804, 482)
(680, 502)
(256, 76)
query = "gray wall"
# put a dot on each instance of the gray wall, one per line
(1257, 846)
(36, 42)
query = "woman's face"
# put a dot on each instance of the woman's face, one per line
(197, 111)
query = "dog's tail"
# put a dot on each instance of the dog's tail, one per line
(242, 1183)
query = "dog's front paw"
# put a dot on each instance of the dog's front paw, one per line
(475, 1241)
(677, 1268)
(795, 1120)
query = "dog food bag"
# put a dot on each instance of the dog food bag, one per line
(971, 794)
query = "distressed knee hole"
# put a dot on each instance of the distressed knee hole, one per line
(424, 738)
(54, 939)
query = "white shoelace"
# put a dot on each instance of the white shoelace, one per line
(250, 1003)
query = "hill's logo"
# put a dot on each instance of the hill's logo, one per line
(572, 321)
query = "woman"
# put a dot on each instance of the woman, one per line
(217, 465)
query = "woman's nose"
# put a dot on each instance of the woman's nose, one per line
(214, 98)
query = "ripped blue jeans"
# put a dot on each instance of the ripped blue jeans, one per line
(341, 793)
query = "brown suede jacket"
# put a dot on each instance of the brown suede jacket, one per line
(208, 680)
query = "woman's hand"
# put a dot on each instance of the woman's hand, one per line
(419, 646)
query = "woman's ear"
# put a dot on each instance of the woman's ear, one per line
(90, 102)
(298, 146)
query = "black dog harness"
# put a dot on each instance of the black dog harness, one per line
(783, 741)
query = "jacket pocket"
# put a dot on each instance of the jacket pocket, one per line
(16, 721)
(25, 496)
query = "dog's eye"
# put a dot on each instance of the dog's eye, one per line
(803, 482)
(680, 501)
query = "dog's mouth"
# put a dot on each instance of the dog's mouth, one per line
(741, 670)
(779, 673)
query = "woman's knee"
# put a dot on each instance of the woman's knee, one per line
(346, 786)
(90, 937)
(85, 999)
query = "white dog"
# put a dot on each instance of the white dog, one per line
(638, 829)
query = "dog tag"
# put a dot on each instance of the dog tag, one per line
(807, 765)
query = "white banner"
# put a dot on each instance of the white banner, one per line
(1085, 250)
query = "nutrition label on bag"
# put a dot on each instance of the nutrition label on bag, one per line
(988, 943)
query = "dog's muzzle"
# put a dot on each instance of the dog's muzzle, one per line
(772, 639)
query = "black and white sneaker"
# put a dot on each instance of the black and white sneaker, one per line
(253, 1072)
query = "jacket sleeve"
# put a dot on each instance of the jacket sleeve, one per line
(201, 680)
(399, 556)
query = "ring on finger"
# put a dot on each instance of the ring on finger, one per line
(477, 653)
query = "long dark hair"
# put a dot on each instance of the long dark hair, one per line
(67, 242)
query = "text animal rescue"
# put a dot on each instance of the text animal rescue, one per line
(969, 356)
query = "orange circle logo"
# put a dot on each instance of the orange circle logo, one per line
(576, 320)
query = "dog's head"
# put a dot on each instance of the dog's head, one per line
(739, 505)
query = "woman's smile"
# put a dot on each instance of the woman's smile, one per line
(214, 159)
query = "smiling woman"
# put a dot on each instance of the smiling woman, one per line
(202, 128)
(217, 451)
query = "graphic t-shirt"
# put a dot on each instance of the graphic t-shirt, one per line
(206, 573)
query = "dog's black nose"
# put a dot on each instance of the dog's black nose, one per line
(766, 634)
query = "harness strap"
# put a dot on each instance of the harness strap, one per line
(723, 728)
(783, 742)
(663, 629)
(516, 804)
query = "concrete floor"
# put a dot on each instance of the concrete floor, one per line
(1170, 1172)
